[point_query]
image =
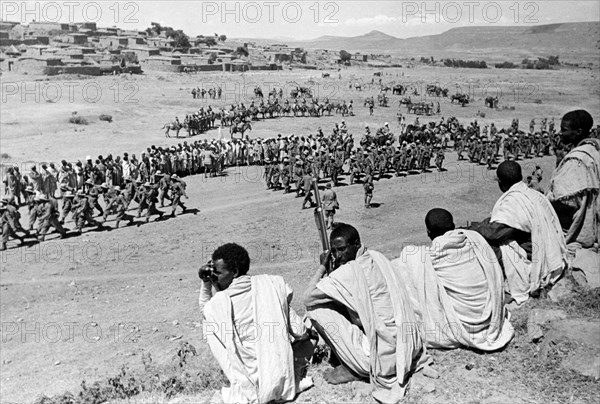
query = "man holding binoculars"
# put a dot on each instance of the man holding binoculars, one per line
(260, 342)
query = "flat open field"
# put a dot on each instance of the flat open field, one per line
(81, 308)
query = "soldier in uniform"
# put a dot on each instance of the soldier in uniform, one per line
(31, 207)
(298, 174)
(82, 209)
(164, 185)
(49, 217)
(459, 146)
(67, 206)
(369, 188)
(7, 224)
(439, 157)
(178, 190)
(148, 202)
(532, 126)
(14, 216)
(330, 204)
(268, 169)
(307, 180)
(354, 170)
(490, 154)
(286, 175)
(120, 207)
(337, 165)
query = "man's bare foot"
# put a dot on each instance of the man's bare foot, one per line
(339, 375)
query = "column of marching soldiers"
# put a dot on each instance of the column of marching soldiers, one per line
(110, 185)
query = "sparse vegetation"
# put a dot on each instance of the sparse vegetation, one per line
(186, 374)
(106, 117)
(77, 120)
(506, 65)
(474, 64)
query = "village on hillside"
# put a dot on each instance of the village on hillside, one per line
(51, 48)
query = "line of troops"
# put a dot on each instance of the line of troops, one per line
(50, 202)
(326, 157)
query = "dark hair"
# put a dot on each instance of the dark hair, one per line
(234, 256)
(579, 119)
(345, 231)
(509, 173)
(439, 222)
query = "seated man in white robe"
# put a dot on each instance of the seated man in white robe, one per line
(527, 231)
(456, 287)
(575, 192)
(363, 313)
(261, 344)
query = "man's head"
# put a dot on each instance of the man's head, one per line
(345, 242)
(438, 222)
(509, 173)
(575, 126)
(231, 261)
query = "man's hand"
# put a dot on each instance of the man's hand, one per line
(325, 258)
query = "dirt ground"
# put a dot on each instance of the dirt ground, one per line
(81, 308)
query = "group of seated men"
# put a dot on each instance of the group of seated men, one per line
(380, 317)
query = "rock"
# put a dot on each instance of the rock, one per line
(538, 317)
(7, 361)
(469, 366)
(430, 372)
(563, 289)
(498, 399)
(362, 388)
(579, 330)
(584, 362)
(56, 363)
(589, 263)
(581, 333)
(175, 322)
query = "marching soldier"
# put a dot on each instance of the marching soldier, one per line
(439, 158)
(49, 217)
(178, 190)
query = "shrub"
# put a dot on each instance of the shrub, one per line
(106, 117)
(505, 65)
(78, 120)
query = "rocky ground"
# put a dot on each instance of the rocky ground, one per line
(89, 308)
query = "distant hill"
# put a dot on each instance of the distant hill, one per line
(569, 40)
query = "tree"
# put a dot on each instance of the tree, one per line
(210, 41)
(345, 56)
(222, 38)
(212, 58)
(241, 51)
(154, 29)
(181, 39)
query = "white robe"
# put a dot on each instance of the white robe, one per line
(456, 288)
(249, 328)
(527, 210)
(389, 346)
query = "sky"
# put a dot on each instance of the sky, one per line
(303, 19)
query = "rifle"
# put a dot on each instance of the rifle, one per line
(320, 222)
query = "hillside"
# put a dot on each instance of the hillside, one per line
(569, 40)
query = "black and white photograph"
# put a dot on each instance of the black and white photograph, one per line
(259, 202)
